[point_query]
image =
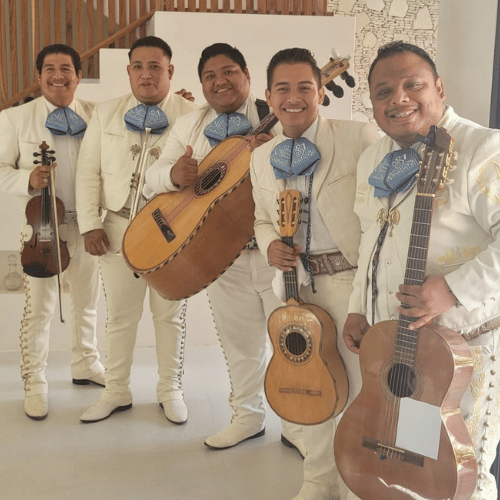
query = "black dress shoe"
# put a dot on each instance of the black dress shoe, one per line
(87, 381)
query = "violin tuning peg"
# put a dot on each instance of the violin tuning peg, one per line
(334, 53)
(337, 90)
(349, 80)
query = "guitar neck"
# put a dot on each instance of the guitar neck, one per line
(265, 126)
(416, 264)
(290, 277)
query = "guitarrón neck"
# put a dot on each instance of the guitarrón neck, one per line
(416, 263)
(265, 126)
(290, 277)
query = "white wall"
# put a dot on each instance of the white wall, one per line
(466, 39)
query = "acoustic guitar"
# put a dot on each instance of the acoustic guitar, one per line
(181, 241)
(306, 382)
(427, 369)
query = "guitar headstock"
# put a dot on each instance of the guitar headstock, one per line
(289, 212)
(436, 158)
(336, 66)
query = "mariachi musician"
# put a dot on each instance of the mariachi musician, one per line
(461, 290)
(242, 297)
(105, 167)
(318, 158)
(60, 120)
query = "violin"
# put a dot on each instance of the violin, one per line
(45, 255)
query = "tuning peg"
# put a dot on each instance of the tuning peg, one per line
(337, 90)
(349, 80)
(334, 53)
(326, 101)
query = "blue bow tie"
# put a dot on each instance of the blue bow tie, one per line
(64, 121)
(227, 125)
(143, 116)
(294, 157)
(395, 173)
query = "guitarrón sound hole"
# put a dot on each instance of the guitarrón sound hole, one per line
(401, 380)
(296, 343)
(211, 178)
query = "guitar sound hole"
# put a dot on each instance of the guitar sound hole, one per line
(296, 343)
(401, 380)
(210, 179)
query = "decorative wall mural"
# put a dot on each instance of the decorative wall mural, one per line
(379, 22)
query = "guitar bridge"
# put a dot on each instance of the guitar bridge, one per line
(162, 224)
(386, 451)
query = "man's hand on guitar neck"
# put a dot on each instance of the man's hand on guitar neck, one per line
(185, 171)
(283, 257)
(426, 301)
(354, 329)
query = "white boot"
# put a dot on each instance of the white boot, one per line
(175, 410)
(292, 436)
(101, 410)
(36, 407)
(232, 435)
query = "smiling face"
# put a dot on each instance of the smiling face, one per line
(149, 73)
(58, 79)
(225, 85)
(407, 98)
(295, 97)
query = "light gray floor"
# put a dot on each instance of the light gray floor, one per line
(137, 454)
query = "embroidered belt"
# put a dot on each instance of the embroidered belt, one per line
(329, 263)
(484, 328)
(252, 244)
(69, 217)
(123, 212)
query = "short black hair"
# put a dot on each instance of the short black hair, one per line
(221, 49)
(293, 56)
(58, 48)
(399, 47)
(151, 41)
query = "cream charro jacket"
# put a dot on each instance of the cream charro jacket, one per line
(464, 243)
(340, 144)
(108, 156)
(22, 130)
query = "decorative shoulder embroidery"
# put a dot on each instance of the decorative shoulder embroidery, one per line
(488, 180)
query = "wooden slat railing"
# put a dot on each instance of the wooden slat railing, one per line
(89, 25)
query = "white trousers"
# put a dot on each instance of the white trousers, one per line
(321, 478)
(42, 301)
(242, 299)
(125, 296)
(481, 410)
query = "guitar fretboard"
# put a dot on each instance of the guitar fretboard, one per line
(290, 277)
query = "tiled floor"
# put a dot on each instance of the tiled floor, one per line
(137, 454)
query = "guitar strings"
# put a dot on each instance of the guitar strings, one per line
(406, 340)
